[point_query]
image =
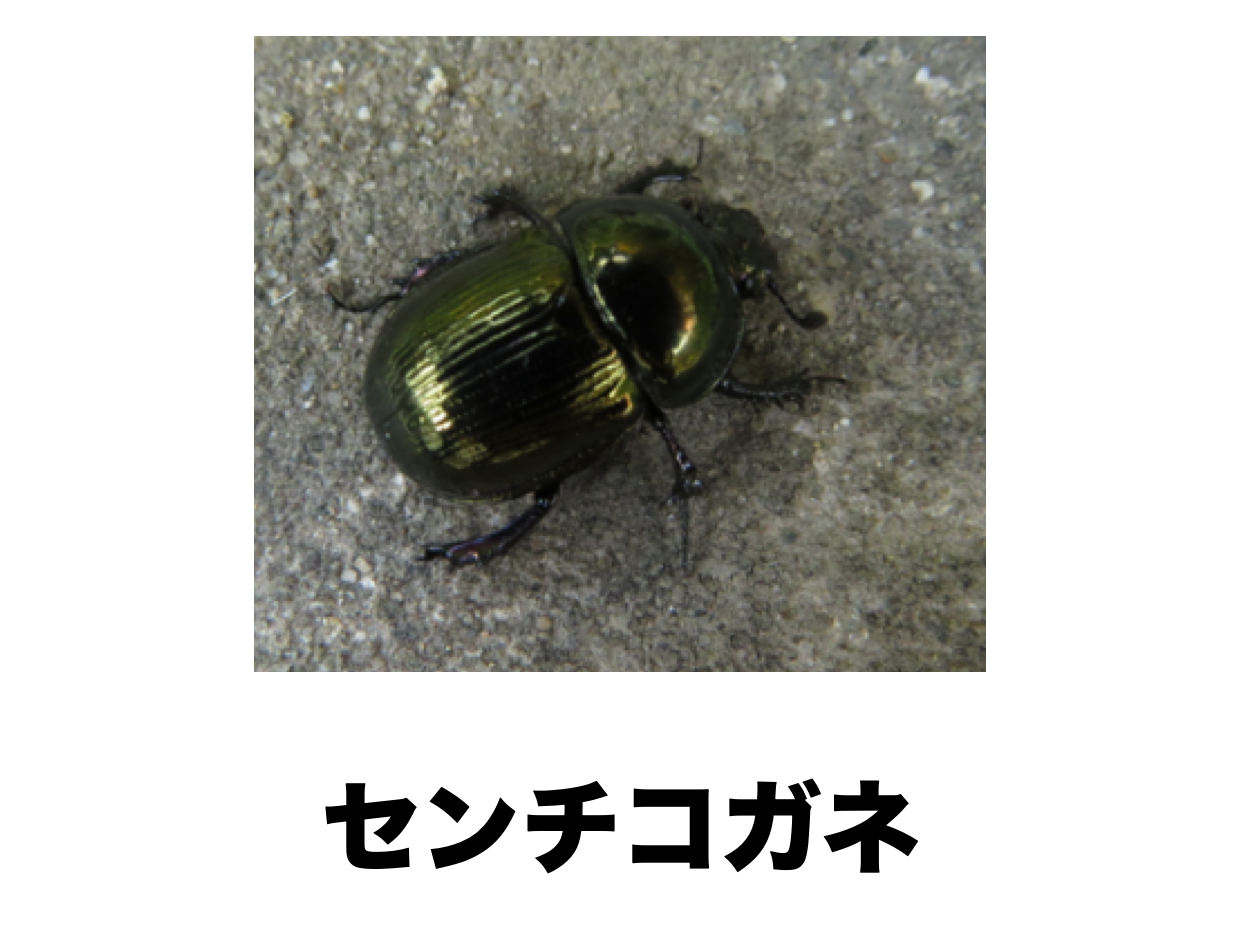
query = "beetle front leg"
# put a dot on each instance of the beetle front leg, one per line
(809, 321)
(662, 172)
(484, 547)
(505, 199)
(792, 390)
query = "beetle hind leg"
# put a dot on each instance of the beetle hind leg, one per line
(687, 485)
(484, 547)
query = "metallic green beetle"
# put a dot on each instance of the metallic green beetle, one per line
(514, 366)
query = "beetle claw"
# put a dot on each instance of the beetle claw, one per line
(810, 320)
(456, 555)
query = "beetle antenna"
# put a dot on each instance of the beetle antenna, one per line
(809, 321)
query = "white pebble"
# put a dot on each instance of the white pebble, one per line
(933, 85)
(438, 81)
(363, 114)
(923, 189)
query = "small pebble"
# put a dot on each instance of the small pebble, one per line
(438, 81)
(933, 85)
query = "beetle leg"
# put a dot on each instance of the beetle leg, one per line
(422, 267)
(479, 549)
(808, 321)
(503, 200)
(791, 390)
(371, 306)
(687, 483)
(662, 172)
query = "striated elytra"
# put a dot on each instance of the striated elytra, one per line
(504, 370)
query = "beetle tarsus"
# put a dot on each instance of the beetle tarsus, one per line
(663, 172)
(687, 485)
(423, 266)
(485, 547)
(365, 307)
(790, 391)
(682, 506)
(505, 199)
(809, 321)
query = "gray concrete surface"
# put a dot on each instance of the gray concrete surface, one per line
(847, 536)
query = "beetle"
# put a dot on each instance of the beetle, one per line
(508, 368)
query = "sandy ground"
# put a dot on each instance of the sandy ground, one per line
(850, 535)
